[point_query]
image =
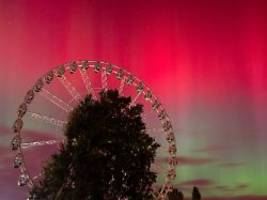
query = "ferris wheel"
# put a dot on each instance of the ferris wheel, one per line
(45, 108)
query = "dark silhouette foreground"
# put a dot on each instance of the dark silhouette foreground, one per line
(107, 154)
(175, 194)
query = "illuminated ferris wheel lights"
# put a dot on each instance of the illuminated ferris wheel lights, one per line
(139, 87)
(97, 67)
(84, 65)
(171, 174)
(170, 137)
(23, 179)
(38, 85)
(120, 74)
(29, 97)
(49, 77)
(162, 115)
(15, 142)
(172, 161)
(109, 69)
(17, 161)
(167, 125)
(60, 71)
(22, 110)
(73, 67)
(130, 80)
(148, 95)
(155, 105)
(172, 149)
(17, 126)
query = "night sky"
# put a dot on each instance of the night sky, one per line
(205, 60)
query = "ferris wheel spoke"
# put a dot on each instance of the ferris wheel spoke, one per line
(104, 80)
(87, 83)
(47, 119)
(122, 84)
(70, 88)
(26, 145)
(56, 100)
(135, 98)
(37, 176)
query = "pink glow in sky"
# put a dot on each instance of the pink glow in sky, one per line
(206, 60)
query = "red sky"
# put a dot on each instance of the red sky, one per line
(206, 60)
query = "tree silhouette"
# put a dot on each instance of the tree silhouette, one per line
(107, 154)
(196, 194)
(173, 195)
(180, 196)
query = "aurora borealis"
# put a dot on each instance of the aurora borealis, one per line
(206, 60)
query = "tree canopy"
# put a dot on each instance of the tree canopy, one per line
(196, 194)
(107, 154)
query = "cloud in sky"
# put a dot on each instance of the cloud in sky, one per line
(198, 182)
(231, 164)
(236, 188)
(186, 160)
(210, 148)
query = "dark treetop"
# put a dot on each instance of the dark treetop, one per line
(107, 154)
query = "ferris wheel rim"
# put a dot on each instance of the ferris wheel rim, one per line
(98, 66)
